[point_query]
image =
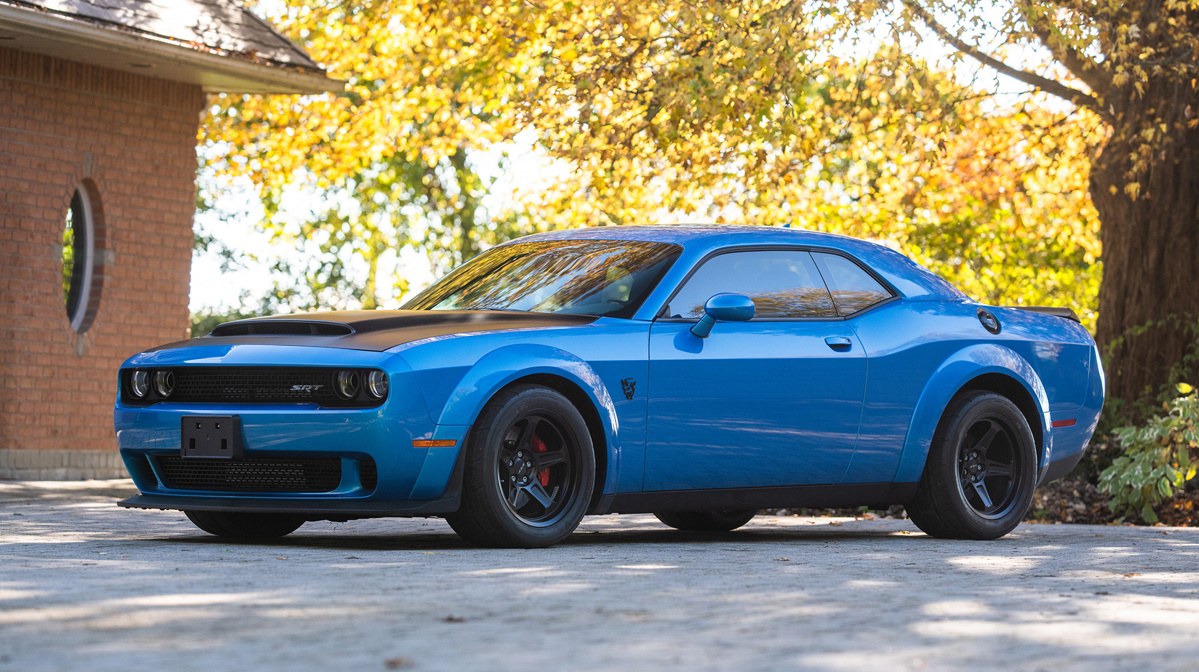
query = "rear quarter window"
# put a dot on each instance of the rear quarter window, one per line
(852, 287)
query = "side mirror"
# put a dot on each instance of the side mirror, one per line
(723, 308)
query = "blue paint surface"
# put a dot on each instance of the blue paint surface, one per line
(767, 402)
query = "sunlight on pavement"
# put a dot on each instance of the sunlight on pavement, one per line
(956, 608)
(994, 564)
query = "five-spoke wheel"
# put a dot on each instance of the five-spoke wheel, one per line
(536, 471)
(987, 465)
(530, 469)
(981, 470)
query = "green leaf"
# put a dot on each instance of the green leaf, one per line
(1148, 514)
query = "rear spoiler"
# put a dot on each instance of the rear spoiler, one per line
(1050, 310)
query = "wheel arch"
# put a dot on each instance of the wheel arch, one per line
(583, 403)
(553, 368)
(1015, 392)
(980, 367)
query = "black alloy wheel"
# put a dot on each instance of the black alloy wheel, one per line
(535, 470)
(987, 468)
(529, 472)
(981, 470)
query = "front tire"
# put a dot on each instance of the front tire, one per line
(981, 471)
(529, 473)
(707, 521)
(244, 525)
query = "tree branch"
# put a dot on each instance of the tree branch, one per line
(1088, 71)
(1032, 79)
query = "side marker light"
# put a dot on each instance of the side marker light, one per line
(437, 443)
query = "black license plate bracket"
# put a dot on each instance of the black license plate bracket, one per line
(211, 437)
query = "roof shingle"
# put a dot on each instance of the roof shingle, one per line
(222, 26)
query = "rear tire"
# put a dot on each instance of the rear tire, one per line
(245, 525)
(530, 470)
(706, 521)
(981, 471)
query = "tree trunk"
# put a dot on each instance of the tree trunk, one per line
(1149, 299)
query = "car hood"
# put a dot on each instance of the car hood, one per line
(373, 330)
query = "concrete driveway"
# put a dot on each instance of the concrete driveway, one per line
(86, 585)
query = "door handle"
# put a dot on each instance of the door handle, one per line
(838, 342)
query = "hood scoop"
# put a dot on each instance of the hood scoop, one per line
(282, 328)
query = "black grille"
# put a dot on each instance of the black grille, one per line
(369, 474)
(253, 474)
(255, 384)
(263, 384)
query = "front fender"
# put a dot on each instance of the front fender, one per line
(502, 366)
(958, 370)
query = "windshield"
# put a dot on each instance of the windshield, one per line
(583, 277)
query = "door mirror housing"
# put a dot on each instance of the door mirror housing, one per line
(723, 308)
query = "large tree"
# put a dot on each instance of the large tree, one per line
(706, 88)
(1134, 64)
(811, 111)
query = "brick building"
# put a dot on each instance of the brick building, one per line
(100, 103)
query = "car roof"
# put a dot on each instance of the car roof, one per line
(683, 234)
(699, 240)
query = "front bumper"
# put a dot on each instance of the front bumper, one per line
(375, 467)
(313, 509)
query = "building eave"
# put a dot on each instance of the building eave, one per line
(216, 72)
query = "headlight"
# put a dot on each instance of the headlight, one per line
(164, 383)
(347, 384)
(376, 384)
(139, 383)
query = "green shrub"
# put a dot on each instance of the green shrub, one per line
(1159, 458)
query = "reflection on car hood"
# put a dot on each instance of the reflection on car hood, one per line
(375, 330)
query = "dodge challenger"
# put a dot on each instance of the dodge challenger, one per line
(698, 373)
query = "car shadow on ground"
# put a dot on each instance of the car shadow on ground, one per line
(444, 539)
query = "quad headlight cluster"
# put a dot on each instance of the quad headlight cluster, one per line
(142, 381)
(347, 383)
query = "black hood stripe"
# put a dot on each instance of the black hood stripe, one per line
(373, 330)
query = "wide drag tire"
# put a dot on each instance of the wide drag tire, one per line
(245, 526)
(529, 472)
(981, 471)
(707, 521)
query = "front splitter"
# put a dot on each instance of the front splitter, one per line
(318, 510)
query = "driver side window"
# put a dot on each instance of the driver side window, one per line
(782, 284)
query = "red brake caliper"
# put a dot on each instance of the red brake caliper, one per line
(544, 475)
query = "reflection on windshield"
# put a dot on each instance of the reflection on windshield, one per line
(586, 277)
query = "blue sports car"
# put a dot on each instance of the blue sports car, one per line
(698, 373)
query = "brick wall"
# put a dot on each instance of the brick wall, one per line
(130, 140)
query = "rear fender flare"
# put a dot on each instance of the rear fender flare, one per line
(954, 374)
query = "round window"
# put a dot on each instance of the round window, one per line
(78, 260)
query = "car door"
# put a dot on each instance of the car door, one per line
(774, 401)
